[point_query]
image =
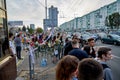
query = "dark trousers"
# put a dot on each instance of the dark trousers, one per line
(18, 51)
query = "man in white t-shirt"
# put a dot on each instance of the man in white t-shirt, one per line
(11, 43)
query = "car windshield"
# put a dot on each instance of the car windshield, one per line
(85, 36)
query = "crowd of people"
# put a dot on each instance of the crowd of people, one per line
(76, 61)
(91, 65)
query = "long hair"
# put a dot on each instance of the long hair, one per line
(65, 67)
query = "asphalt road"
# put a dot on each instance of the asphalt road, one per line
(115, 62)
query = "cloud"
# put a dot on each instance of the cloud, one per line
(33, 11)
(24, 9)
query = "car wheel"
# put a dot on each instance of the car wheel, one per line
(102, 41)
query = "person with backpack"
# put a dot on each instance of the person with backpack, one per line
(104, 55)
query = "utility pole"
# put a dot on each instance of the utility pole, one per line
(45, 24)
(45, 9)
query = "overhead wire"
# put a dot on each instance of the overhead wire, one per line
(40, 3)
(67, 9)
(80, 1)
(73, 5)
(50, 22)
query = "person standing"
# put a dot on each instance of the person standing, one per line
(104, 55)
(11, 44)
(90, 69)
(67, 68)
(90, 48)
(68, 46)
(76, 51)
(18, 46)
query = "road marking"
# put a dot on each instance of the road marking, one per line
(104, 46)
(20, 61)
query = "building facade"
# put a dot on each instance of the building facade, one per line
(8, 69)
(3, 28)
(94, 19)
(53, 16)
(52, 20)
(32, 26)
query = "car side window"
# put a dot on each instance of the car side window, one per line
(109, 37)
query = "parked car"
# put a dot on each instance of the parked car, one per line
(85, 38)
(95, 36)
(111, 39)
(115, 32)
(101, 35)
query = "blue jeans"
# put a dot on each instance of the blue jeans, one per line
(18, 52)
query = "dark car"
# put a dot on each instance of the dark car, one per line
(111, 39)
(115, 32)
(101, 35)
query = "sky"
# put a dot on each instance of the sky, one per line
(33, 11)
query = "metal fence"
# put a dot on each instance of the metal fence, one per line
(45, 62)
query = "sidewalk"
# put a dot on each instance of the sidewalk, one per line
(21, 66)
(40, 73)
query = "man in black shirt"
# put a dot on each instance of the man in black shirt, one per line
(89, 48)
(76, 51)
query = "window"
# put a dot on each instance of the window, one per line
(2, 4)
(2, 14)
(4, 43)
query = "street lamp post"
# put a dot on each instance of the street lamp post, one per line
(46, 9)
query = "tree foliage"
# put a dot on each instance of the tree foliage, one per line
(116, 20)
(113, 20)
(24, 28)
(28, 27)
(19, 29)
(30, 30)
(39, 30)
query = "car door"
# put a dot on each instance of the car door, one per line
(109, 39)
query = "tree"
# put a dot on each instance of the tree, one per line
(28, 27)
(24, 28)
(39, 30)
(116, 20)
(110, 18)
(113, 20)
(31, 31)
(19, 29)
